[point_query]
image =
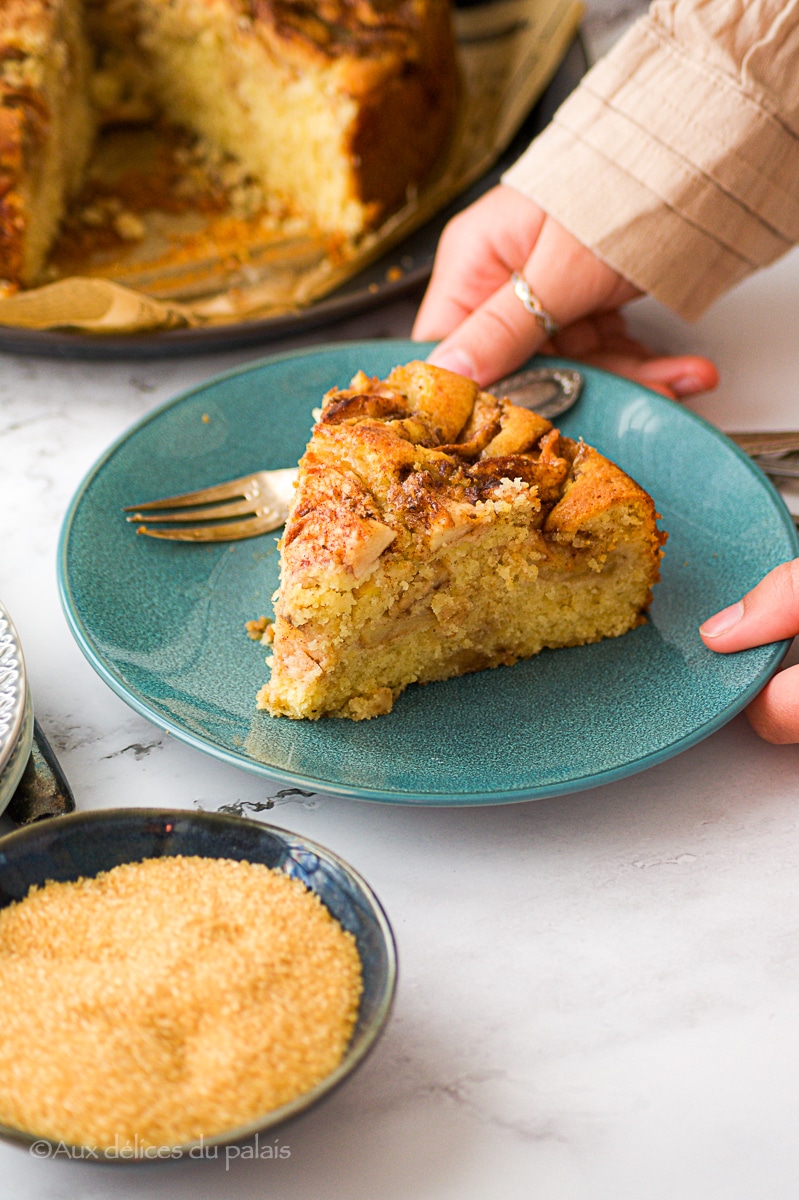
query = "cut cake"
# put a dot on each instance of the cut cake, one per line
(437, 530)
(337, 107)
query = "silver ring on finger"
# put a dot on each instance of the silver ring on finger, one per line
(533, 305)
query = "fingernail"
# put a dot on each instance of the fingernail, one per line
(722, 621)
(453, 359)
(687, 385)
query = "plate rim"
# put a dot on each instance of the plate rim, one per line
(16, 691)
(140, 704)
(15, 767)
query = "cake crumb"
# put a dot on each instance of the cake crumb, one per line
(129, 227)
(261, 629)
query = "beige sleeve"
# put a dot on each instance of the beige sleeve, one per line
(677, 158)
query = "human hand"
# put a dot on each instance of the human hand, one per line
(769, 613)
(487, 333)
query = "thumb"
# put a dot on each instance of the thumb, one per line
(769, 613)
(774, 713)
(568, 281)
(493, 340)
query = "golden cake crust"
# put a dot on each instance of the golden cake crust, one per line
(412, 451)
(15, 134)
(46, 126)
(397, 60)
(418, 468)
(25, 22)
(26, 26)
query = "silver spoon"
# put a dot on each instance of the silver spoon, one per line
(549, 391)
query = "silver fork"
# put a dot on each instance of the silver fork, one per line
(261, 500)
(768, 444)
(775, 453)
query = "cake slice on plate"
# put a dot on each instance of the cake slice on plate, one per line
(437, 530)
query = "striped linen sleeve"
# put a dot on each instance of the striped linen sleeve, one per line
(676, 160)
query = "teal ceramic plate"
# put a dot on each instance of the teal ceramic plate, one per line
(163, 623)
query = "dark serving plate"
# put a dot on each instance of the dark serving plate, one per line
(370, 288)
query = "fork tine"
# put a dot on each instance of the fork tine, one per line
(237, 508)
(221, 491)
(234, 531)
(261, 499)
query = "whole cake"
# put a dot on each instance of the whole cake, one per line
(337, 107)
(437, 530)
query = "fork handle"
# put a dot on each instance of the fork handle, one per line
(767, 443)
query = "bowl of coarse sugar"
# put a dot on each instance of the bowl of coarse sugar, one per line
(176, 981)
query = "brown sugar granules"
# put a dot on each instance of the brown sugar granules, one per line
(168, 1000)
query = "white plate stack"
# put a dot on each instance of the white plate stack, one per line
(16, 711)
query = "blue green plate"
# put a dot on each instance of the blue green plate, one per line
(163, 623)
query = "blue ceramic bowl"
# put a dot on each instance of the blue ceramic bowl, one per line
(84, 844)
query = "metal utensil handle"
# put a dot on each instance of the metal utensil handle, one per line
(549, 391)
(767, 443)
(785, 466)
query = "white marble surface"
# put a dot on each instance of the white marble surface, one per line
(599, 994)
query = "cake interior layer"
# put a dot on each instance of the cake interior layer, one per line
(329, 135)
(498, 595)
(289, 129)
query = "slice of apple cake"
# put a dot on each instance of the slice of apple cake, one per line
(437, 530)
